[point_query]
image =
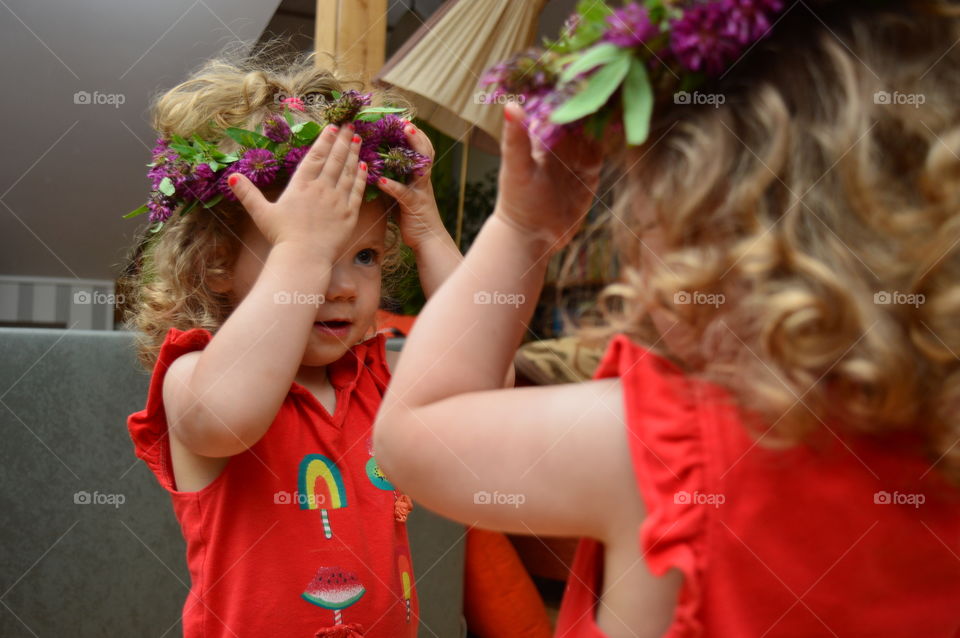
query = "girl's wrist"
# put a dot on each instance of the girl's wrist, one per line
(538, 243)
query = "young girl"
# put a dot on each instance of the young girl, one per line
(256, 313)
(771, 445)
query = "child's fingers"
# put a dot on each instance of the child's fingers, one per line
(313, 162)
(419, 141)
(359, 187)
(351, 165)
(396, 190)
(248, 195)
(516, 148)
(338, 155)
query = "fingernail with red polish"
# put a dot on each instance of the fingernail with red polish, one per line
(356, 138)
(507, 115)
(233, 179)
(351, 127)
(363, 166)
(383, 180)
(334, 127)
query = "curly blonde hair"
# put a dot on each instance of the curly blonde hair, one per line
(166, 279)
(819, 205)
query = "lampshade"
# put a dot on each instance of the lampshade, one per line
(440, 66)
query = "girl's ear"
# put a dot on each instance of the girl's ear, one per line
(219, 276)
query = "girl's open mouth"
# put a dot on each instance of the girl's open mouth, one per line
(335, 327)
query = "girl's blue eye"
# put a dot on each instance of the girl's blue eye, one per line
(366, 257)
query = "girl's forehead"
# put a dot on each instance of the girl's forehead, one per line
(372, 220)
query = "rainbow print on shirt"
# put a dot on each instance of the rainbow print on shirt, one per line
(321, 487)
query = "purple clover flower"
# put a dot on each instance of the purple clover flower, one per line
(259, 165)
(750, 20)
(276, 128)
(404, 162)
(293, 158)
(202, 185)
(701, 39)
(160, 206)
(346, 107)
(390, 131)
(630, 26)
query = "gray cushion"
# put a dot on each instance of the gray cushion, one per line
(116, 567)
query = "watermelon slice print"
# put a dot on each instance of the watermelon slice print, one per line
(335, 589)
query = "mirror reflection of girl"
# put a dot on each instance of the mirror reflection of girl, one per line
(258, 319)
(771, 445)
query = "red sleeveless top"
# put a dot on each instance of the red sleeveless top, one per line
(299, 535)
(844, 536)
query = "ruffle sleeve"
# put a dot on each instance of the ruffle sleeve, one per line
(148, 427)
(665, 436)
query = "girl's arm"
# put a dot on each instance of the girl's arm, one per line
(420, 225)
(445, 433)
(422, 229)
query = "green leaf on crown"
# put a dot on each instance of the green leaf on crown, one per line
(166, 187)
(249, 139)
(214, 201)
(637, 103)
(599, 87)
(288, 116)
(305, 134)
(590, 59)
(380, 109)
(138, 211)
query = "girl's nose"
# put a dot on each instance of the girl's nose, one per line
(342, 285)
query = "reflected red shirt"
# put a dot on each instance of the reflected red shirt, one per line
(298, 535)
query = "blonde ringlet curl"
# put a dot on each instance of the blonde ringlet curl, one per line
(800, 198)
(166, 281)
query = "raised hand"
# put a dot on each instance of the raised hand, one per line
(545, 192)
(319, 206)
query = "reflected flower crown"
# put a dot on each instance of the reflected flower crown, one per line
(186, 174)
(611, 63)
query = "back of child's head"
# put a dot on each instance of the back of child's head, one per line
(794, 231)
(167, 279)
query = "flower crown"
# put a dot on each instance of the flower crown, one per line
(640, 48)
(186, 174)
